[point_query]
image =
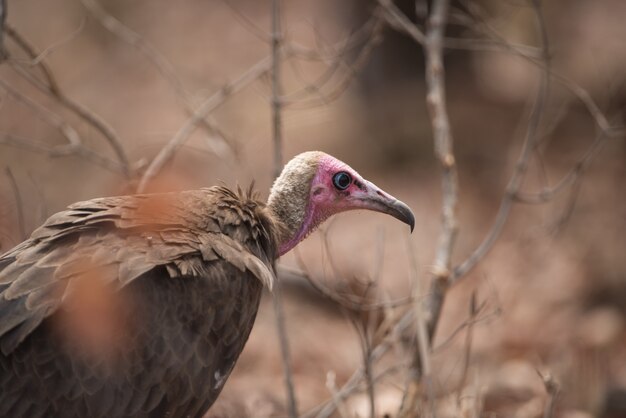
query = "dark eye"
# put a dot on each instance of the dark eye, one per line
(342, 180)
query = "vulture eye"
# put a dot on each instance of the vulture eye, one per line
(342, 180)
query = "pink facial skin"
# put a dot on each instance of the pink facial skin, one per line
(326, 199)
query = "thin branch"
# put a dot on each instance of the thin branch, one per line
(32, 53)
(247, 23)
(332, 388)
(36, 61)
(549, 193)
(133, 39)
(345, 300)
(52, 89)
(43, 207)
(61, 151)
(473, 313)
(521, 167)
(51, 118)
(467, 323)
(352, 69)
(153, 55)
(578, 91)
(444, 151)
(74, 143)
(209, 105)
(277, 134)
(327, 408)
(277, 140)
(399, 21)
(553, 389)
(442, 136)
(420, 371)
(19, 206)
(363, 332)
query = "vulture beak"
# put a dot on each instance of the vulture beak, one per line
(373, 198)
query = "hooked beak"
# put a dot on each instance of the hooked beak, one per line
(373, 198)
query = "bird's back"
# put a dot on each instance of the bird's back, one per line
(178, 279)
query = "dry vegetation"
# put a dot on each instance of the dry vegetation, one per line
(510, 297)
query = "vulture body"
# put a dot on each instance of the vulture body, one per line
(139, 306)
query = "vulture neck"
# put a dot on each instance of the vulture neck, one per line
(290, 204)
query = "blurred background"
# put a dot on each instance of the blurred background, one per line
(552, 291)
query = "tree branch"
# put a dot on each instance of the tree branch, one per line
(209, 105)
(277, 140)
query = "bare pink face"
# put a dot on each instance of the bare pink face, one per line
(337, 188)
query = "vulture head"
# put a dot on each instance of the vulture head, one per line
(314, 186)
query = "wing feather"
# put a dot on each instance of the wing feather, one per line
(122, 238)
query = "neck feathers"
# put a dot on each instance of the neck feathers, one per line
(290, 196)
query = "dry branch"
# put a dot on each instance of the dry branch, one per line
(209, 105)
(277, 141)
(442, 137)
(370, 35)
(51, 88)
(553, 389)
(19, 207)
(74, 144)
(32, 53)
(521, 166)
(569, 179)
(153, 55)
(37, 60)
(399, 21)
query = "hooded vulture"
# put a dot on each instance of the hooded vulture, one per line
(139, 306)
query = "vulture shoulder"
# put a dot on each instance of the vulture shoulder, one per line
(122, 238)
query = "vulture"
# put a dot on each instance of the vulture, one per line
(139, 306)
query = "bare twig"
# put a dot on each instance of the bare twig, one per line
(442, 136)
(30, 51)
(553, 389)
(162, 65)
(44, 114)
(51, 88)
(365, 338)
(420, 372)
(132, 38)
(470, 322)
(327, 408)
(347, 301)
(19, 207)
(36, 61)
(516, 180)
(277, 133)
(61, 151)
(568, 179)
(74, 144)
(473, 312)
(399, 21)
(190, 125)
(540, 61)
(43, 207)
(284, 348)
(292, 406)
(92, 119)
(247, 23)
(332, 388)
(371, 31)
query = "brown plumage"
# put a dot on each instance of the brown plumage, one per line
(178, 280)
